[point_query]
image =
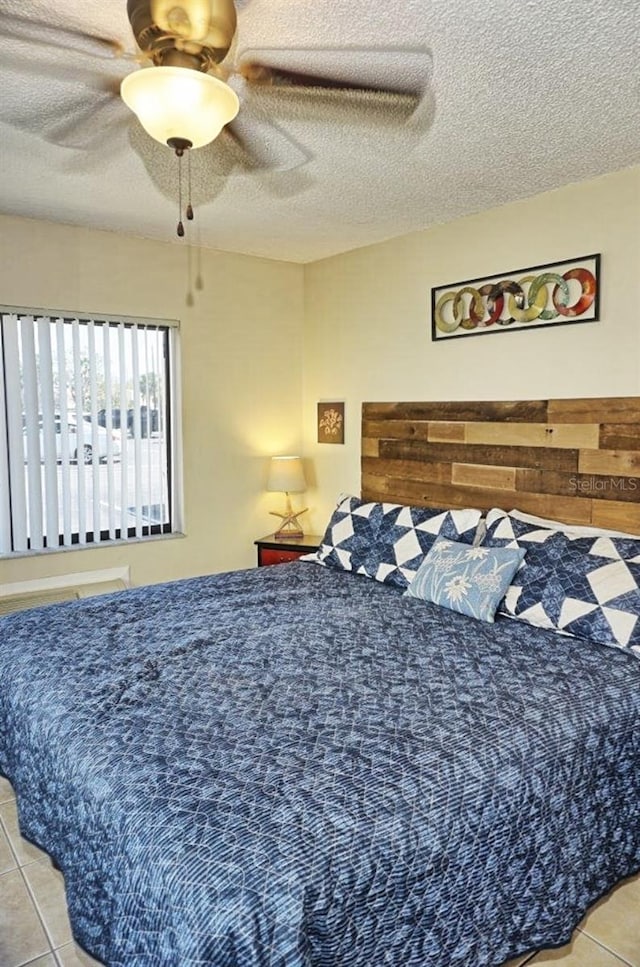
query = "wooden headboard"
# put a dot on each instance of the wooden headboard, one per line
(573, 460)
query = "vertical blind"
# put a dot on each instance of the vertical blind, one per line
(85, 430)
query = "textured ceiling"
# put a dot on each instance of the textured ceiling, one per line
(516, 97)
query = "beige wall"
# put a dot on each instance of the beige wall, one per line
(241, 392)
(367, 332)
(366, 336)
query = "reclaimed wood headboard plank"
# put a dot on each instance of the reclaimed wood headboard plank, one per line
(619, 436)
(550, 458)
(616, 462)
(577, 460)
(610, 409)
(563, 484)
(618, 516)
(534, 434)
(521, 411)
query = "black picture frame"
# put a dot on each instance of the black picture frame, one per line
(496, 303)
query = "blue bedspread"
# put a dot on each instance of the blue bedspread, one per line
(295, 766)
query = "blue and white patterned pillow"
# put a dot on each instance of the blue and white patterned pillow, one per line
(470, 580)
(349, 535)
(387, 542)
(588, 587)
(406, 534)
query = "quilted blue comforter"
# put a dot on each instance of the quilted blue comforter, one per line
(295, 766)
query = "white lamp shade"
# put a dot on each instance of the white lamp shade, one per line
(286, 475)
(177, 102)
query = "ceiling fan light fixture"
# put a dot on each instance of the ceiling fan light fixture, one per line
(179, 103)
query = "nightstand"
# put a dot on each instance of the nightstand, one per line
(279, 550)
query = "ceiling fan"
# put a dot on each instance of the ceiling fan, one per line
(191, 86)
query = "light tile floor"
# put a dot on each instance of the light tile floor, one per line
(35, 930)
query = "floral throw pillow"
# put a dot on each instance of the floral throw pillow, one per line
(469, 580)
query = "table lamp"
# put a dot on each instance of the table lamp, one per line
(287, 476)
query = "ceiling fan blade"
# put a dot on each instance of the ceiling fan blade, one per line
(260, 145)
(231, 144)
(232, 153)
(71, 115)
(54, 66)
(335, 105)
(91, 126)
(274, 77)
(403, 73)
(36, 32)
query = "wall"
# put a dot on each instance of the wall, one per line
(241, 395)
(366, 336)
(367, 318)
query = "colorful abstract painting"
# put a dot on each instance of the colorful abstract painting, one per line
(557, 293)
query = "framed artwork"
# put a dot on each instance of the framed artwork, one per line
(331, 422)
(555, 294)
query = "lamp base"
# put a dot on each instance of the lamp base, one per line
(293, 534)
(289, 526)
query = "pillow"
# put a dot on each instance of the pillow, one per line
(513, 525)
(470, 580)
(578, 529)
(588, 587)
(350, 533)
(406, 534)
(387, 542)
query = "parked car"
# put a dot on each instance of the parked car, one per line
(115, 417)
(86, 455)
(149, 420)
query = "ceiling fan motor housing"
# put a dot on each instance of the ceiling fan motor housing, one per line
(183, 33)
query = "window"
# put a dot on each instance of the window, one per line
(86, 421)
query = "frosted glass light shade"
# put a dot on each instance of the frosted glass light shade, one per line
(177, 102)
(286, 475)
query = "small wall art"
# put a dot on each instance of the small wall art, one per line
(558, 293)
(331, 422)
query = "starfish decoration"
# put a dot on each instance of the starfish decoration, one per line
(289, 526)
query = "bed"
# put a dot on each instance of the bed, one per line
(302, 765)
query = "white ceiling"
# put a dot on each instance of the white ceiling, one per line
(517, 97)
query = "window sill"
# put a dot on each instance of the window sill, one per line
(94, 546)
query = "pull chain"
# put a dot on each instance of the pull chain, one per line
(180, 225)
(189, 208)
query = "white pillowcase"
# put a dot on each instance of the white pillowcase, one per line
(577, 530)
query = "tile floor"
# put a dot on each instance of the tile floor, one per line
(35, 931)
